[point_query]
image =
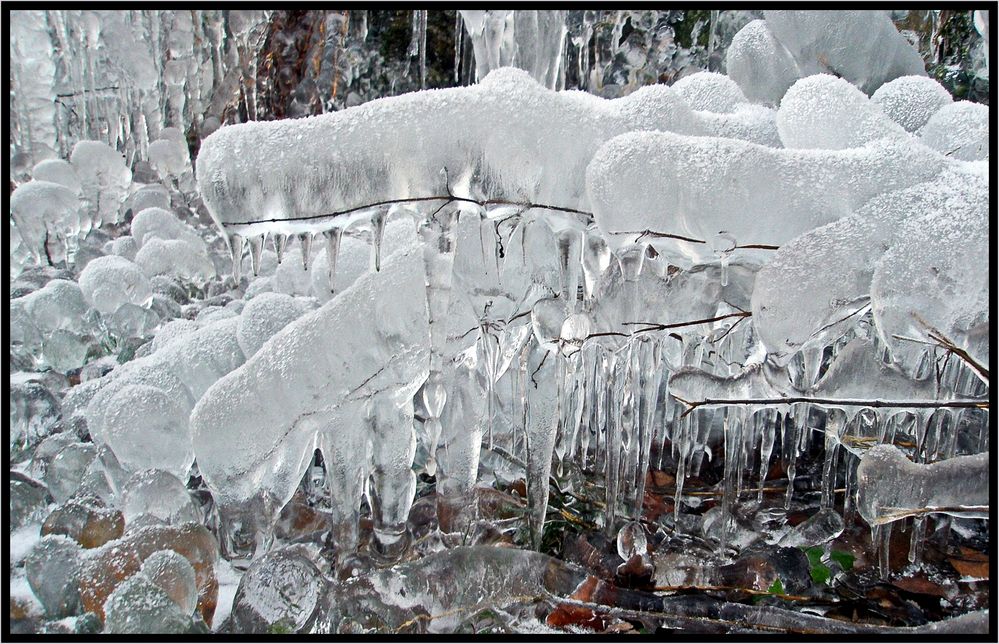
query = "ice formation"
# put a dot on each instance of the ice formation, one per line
(47, 219)
(111, 281)
(910, 101)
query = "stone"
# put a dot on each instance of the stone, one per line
(66, 471)
(86, 523)
(118, 560)
(175, 575)
(27, 498)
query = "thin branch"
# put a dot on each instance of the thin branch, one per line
(845, 402)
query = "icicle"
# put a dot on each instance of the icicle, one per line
(236, 251)
(305, 239)
(596, 259)
(458, 43)
(683, 434)
(835, 424)
(768, 432)
(649, 373)
(438, 234)
(377, 232)
(542, 422)
(613, 440)
(569, 259)
(280, 241)
(256, 248)
(790, 448)
(332, 251)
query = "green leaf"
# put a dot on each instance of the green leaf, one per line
(820, 573)
(776, 588)
(844, 559)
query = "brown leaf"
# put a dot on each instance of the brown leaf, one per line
(968, 568)
(920, 585)
(572, 615)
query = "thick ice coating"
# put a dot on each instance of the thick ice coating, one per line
(910, 101)
(47, 216)
(263, 316)
(163, 224)
(891, 487)
(826, 112)
(57, 171)
(699, 186)
(279, 170)
(933, 283)
(177, 257)
(812, 289)
(110, 281)
(254, 428)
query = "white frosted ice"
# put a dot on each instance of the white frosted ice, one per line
(263, 316)
(104, 176)
(163, 224)
(710, 91)
(176, 257)
(910, 101)
(57, 171)
(826, 112)
(110, 281)
(860, 46)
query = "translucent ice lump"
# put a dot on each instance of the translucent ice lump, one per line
(710, 92)
(47, 217)
(760, 64)
(110, 281)
(863, 47)
(910, 101)
(263, 316)
(162, 224)
(57, 171)
(959, 130)
(891, 487)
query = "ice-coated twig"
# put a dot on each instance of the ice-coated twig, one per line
(845, 402)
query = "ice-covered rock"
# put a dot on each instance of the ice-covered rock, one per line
(174, 574)
(125, 246)
(160, 494)
(959, 130)
(168, 156)
(67, 469)
(53, 571)
(910, 101)
(282, 591)
(138, 605)
(110, 281)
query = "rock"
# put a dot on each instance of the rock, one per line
(175, 575)
(281, 591)
(118, 560)
(47, 450)
(86, 523)
(27, 498)
(88, 624)
(34, 413)
(53, 571)
(138, 605)
(66, 471)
